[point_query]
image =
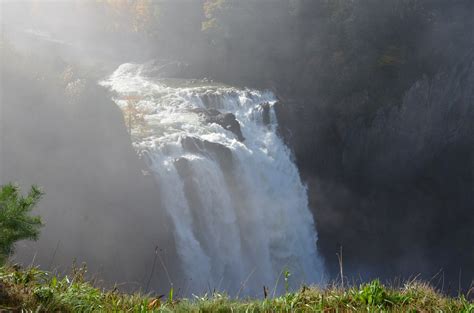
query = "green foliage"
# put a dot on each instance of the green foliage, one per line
(375, 295)
(287, 275)
(170, 295)
(35, 290)
(15, 221)
(372, 293)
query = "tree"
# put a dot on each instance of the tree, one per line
(15, 221)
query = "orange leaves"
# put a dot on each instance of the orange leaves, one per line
(134, 118)
(129, 16)
(154, 304)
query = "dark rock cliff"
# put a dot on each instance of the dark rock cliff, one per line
(397, 190)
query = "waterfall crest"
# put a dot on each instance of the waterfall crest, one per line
(235, 198)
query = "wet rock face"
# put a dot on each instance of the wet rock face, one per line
(417, 160)
(210, 149)
(225, 120)
(435, 114)
(401, 180)
(266, 113)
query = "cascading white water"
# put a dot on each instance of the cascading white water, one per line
(238, 207)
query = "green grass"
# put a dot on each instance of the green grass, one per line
(38, 291)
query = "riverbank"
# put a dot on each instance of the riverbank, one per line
(39, 291)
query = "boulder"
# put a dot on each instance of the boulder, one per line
(225, 120)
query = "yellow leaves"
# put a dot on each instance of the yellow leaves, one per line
(134, 118)
(211, 8)
(209, 24)
(141, 14)
(154, 304)
(68, 74)
(129, 16)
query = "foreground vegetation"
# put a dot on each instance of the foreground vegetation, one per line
(40, 291)
(16, 223)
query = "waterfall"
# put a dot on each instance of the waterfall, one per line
(227, 181)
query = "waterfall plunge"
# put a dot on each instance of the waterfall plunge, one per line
(239, 209)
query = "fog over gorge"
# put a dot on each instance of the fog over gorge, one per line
(230, 145)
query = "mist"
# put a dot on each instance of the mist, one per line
(361, 111)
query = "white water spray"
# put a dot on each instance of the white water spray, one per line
(239, 209)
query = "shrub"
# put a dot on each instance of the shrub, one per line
(15, 221)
